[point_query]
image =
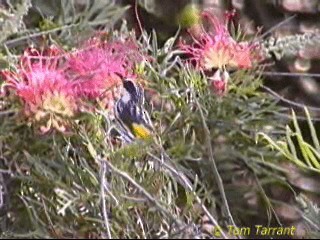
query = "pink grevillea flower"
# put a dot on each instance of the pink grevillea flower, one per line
(216, 49)
(49, 98)
(100, 66)
(219, 82)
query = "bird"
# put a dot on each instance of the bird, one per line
(133, 120)
(135, 123)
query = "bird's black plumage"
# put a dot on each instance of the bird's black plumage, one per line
(130, 110)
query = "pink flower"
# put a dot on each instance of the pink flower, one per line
(216, 49)
(48, 96)
(219, 82)
(99, 66)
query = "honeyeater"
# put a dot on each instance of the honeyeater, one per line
(133, 119)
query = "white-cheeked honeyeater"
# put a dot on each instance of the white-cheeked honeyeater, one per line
(133, 120)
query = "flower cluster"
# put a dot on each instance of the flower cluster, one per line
(216, 50)
(100, 66)
(53, 85)
(42, 85)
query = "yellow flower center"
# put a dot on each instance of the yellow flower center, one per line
(57, 103)
(218, 58)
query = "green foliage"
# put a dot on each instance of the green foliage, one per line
(12, 19)
(289, 46)
(303, 154)
(204, 165)
(311, 213)
(63, 20)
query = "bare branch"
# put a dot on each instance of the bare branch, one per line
(103, 185)
(146, 194)
(292, 103)
(215, 169)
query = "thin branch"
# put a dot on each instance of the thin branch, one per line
(178, 176)
(264, 194)
(140, 223)
(265, 197)
(275, 27)
(48, 217)
(38, 34)
(292, 103)
(106, 188)
(103, 185)
(1, 195)
(146, 194)
(287, 116)
(189, 187)
(290, 74)
(137, 16)
(306, 218)
(215, 169)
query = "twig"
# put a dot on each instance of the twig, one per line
(290, 102)
(180, 177)
(141, 224)
(290, 74)
(1, 195)
(134, 199)
(106, 188)
(306, 218)
(149, 197)
(48, 217)
(137, 16)
(16, 40)
(215, 169)
(287, 116)
(189, 187)
(103, 199)
(275, 27)
(264, 195)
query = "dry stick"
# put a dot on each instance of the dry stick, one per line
(275, 27)
(3, 189)
(215, 169)
(106, 188)
(267, 199)
(48, 218)
(139, 221)
(310, 221)
(288, 101)
(103, 199)
(1, 196)
(290, 74)
(137, 16)
(187, 184)
(180, 177)
(286, 116)
(151, 199)
(37, 34)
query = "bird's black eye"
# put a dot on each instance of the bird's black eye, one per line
(135, 92)
(130, 87)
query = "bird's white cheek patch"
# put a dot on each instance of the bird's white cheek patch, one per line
(126, 98)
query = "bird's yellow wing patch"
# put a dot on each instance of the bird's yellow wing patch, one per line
(140, 131)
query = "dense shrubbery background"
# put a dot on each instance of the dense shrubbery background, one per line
(249, 159)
